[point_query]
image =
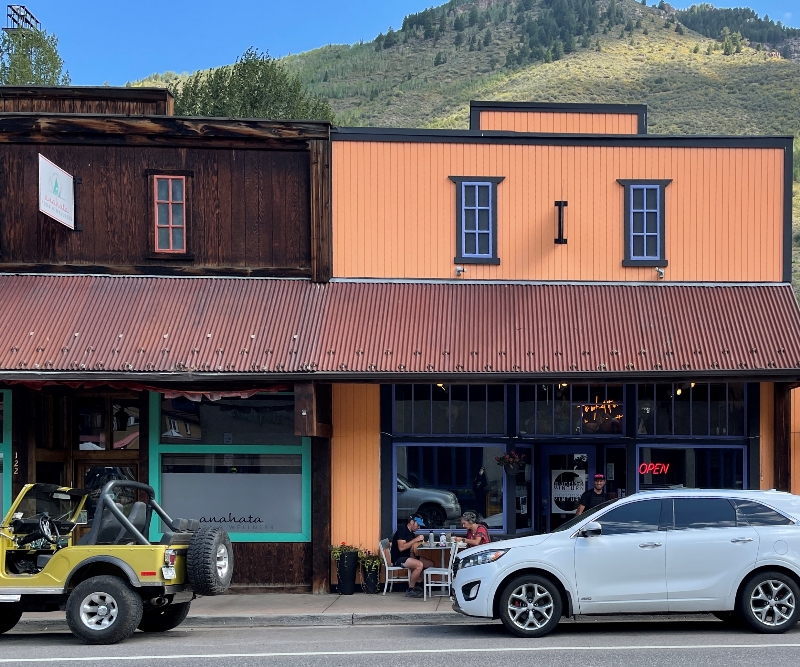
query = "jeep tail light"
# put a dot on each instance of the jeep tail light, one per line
(170, 556)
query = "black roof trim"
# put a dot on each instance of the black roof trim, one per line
(143, 94)
(476, 107)
(410, 135)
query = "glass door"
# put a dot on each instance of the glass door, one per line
(564, 474)
(521, 485)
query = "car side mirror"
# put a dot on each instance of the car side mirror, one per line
(400, 488)
(591, 529)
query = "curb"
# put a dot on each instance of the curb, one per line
(282, 620)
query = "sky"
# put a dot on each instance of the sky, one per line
(111, 41)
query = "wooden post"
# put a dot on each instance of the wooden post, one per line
(782, 438)
(320, 515)
(321, 211)
(312, 410)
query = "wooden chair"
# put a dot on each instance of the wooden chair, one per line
(439, 577)
(392, 571)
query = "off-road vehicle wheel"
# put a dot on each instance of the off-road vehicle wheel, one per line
(770, 602)
(103, 610)
(530, 606)
(209, 561)
(162, 619)
(9, 617)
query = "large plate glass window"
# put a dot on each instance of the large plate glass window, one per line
(445, 409)
(704, 467)
(231, 463)
(442, 481)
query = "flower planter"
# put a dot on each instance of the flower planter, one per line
(511, 469)
(369, 579)
(346, 572)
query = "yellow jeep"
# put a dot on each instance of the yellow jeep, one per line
(112, 580)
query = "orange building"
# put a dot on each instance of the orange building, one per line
(556, 282)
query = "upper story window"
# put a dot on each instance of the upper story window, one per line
(476, 219)
(645, 237)
(170, 213)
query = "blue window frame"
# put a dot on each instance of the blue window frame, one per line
(449, 409)
(644, 223)
(708, 466)
(476, 219)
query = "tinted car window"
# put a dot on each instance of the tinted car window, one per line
(638, 517)
(756, 514)
(704, 513)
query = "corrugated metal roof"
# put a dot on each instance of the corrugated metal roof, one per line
(108, 325)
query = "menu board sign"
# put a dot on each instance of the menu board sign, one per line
(566, 489)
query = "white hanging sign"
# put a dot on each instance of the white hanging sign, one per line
(56, 193)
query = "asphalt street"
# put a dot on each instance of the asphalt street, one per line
(653, 643)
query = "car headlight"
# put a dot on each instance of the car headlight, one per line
(482, 558)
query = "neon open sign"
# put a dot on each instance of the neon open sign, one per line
(653, 468)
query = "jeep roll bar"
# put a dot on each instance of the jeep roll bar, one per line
(105, 501)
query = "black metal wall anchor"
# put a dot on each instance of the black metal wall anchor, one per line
(561, 205)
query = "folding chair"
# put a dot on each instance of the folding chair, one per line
(392, 571)
(444, 574)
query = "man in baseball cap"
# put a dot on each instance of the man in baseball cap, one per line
(403, 553)
(593, 497)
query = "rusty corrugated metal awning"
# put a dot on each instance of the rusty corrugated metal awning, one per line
(107, 327)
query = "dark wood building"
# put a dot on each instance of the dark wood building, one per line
(166, 207)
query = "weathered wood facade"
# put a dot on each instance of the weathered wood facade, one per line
(86, 100)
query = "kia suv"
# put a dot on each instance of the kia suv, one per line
(735, 554)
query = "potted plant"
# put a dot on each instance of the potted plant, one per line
(370, 570)
(346, 558)
(511, 461)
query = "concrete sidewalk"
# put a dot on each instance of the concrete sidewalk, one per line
(286, 610)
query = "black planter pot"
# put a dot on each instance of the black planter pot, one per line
(370, 579)
(346, 571)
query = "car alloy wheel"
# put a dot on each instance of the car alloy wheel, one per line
(530, 606)
(99, 611)
(772, 603)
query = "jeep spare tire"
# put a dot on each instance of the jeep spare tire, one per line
(209, 561)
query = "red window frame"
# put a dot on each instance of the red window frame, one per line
(171, 228)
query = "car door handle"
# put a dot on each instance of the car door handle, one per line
(739, 540)
(649, 545)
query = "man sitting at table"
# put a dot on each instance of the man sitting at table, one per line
(404, 553)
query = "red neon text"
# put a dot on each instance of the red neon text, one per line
(653, 468)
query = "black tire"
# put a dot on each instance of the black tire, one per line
(530, 621)
(433, 515)
(9, 616)
(209, 561)
(103, 610)
(162, 619)
(769, 602)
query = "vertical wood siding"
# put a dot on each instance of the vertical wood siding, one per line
(245, 208)
(795, 448)
(767, 440)
(394, 210)
(355, 465)
(560, 122)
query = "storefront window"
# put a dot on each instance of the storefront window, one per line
(252, 421)
(689, 408)
(446, 409)
(102, 421)
(691, 467)
(233, 463)
(563, 409)
(242, 493)
(441, 482)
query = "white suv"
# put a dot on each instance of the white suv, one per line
(733, 553)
